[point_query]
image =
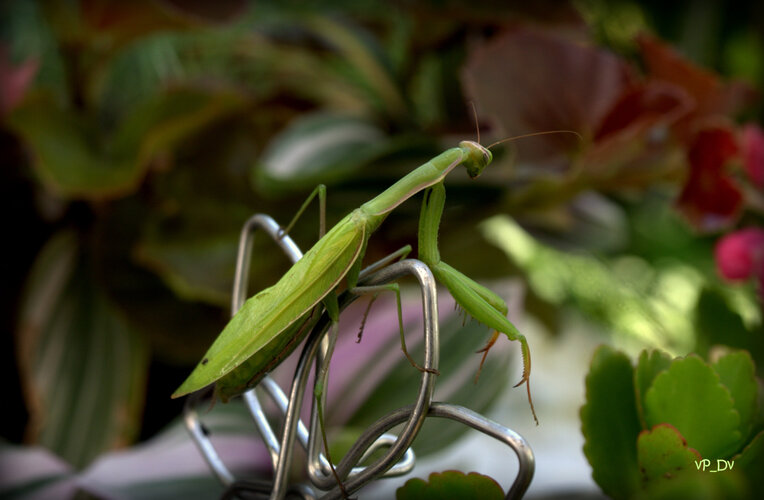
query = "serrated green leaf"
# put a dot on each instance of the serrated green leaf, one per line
(690, 397)
(692, 485)
(737, 373)
(610, 425)
(750, 462)
(716, 322)
(648, 366)
(663, 453)
(84, 369)
(451, 484)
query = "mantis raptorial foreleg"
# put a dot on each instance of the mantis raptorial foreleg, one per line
(476, 300)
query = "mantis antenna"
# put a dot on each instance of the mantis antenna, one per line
(477, 123)
(535, 134)
(508, 139)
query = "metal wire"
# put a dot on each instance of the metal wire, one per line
(398, 458)
(465, 416)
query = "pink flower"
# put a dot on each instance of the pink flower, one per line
(740, 255)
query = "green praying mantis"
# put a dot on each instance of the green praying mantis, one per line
(272, 323)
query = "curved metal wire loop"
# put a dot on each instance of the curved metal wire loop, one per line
(465, 416)
(355, 480)
(398, 458)
(191, 416)
(245, 489)
(199, 436)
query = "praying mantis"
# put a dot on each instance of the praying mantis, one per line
(274, 321)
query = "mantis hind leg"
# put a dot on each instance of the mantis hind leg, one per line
(320, 190)
(319, 391)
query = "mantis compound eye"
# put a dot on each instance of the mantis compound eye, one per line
(477, 157)
(487, 156)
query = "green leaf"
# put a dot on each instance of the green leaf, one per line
(450, 484)
(717, 322)
(191, 240)
(73, 157)
(64, 154)
(83, 369)
(690, 397)
(663, 453)
(609, 423)
(736, 372)
(637, 310)
(359, 57)
(318, 148)
(751, 462)
(691, 485)
(648, 366)
(195, 269)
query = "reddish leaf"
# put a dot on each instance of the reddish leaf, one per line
(665, 63)
(126, 20)
(641, 107)
(220, 11)
(710, 199)
(711, 95)
(632, 146)
(528, 81)
(752, 149)
(122, 22)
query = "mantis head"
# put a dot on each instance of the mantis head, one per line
(476, 157)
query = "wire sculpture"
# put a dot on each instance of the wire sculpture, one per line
(398, 459)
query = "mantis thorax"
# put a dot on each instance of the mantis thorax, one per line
(476, 157)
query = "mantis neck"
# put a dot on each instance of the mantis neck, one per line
(422, 177)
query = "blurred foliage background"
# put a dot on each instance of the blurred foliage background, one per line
(138, 137)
